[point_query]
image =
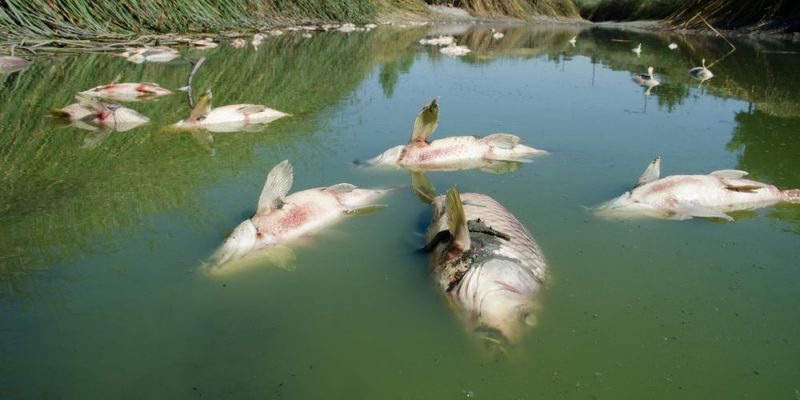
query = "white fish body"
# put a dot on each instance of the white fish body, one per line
(701, 73)
(282, 218)
(457, 152)
(227, 118)
(685, 196)
(128, 91)
(158, 54)
(491, 275)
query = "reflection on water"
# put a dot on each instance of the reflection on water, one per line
(103, 230)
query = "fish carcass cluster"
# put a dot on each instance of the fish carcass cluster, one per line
(481, 257)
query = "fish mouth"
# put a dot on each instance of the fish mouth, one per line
(236, 246)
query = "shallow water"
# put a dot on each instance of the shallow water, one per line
(102, 234)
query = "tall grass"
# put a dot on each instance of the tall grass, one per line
(83, 18)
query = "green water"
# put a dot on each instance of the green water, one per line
(101, 236)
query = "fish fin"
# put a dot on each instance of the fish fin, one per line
(422, 186)
(202, 107)
(729, 173)
(426, 122)
(502, 140)
(651, 173)
(341, 187)
(183, 89)
(457, 220)
(279, 181)
(692, 209)
(58, 113)
(366, 210)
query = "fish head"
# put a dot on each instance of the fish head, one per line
(388, 158)
(506, 306)
(237, 245)
(624, 207)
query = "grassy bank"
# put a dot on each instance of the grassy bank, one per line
(83, 18)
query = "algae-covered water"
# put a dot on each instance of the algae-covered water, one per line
(102, 233)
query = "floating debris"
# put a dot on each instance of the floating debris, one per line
(238, 43)
(498, 35)
(439, 41)
(454, 50)
(275, 32)
(672, 46)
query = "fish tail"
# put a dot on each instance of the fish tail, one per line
(792, 196)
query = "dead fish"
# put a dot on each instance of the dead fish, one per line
(637, 50)
(238, 43)
(282, 217)
(457, 152)
(486, 263)
(102, 114)
(203, 44)
(9, 64)
(647, 80)
(158, 54)
(681, 197)
(128, 91)
(227, 118)
(701, 73)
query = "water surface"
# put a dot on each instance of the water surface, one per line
(102, 234)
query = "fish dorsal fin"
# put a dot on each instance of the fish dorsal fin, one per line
(457, 220)
(279, 181)
(651, 173)
(341, 187)
(729, 173)
(426, 122)
(502, 140)
(202, 108)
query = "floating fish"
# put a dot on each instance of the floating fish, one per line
(282, 217)
(701, 73)
(681, 197)
(452, 153)
(647, 80)
(127, 91)
(86, 113)
(238, 43)
(227, 118)
(573, 41)
(637, 50)
(486, 263)
(203, 44)
(158, 54)
(439, 41)
(672, 46)
(9, 64)
(454, 50)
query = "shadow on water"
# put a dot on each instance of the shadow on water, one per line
(63, 200)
